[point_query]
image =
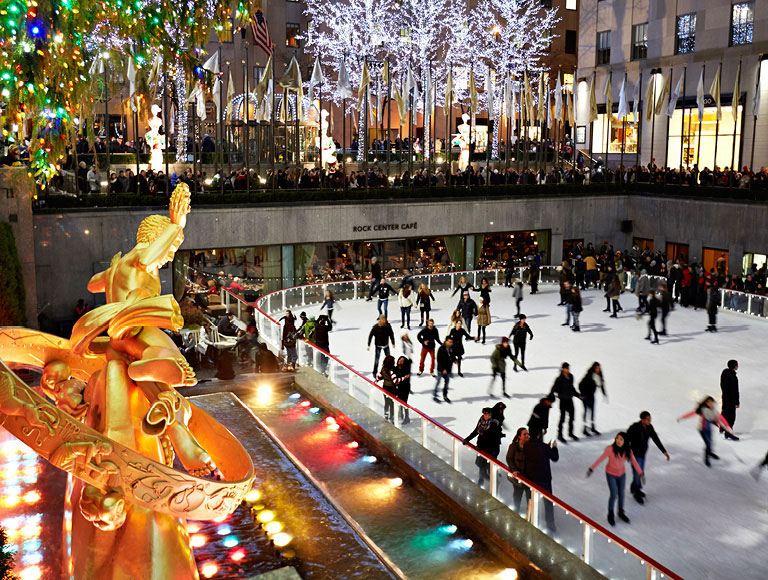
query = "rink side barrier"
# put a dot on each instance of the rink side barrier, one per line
(595, 545)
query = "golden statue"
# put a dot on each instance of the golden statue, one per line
(114, 420)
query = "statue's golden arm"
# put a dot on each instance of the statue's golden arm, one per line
(156, 254)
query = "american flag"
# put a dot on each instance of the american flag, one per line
(260, 31)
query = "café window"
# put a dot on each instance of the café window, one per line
(685, 35)
(571, 40)
(677, 252)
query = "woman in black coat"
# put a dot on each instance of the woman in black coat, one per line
(458, 334)
(588, 386)
(388, 378)
(403, 385)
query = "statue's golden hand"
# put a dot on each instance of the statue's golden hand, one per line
(180, 205)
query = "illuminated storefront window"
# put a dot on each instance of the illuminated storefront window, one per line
(624, 131)
(684, 124)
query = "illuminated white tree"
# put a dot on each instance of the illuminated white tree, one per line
(353, 31)
(520, 33)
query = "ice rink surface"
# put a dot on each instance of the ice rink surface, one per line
(702, 523)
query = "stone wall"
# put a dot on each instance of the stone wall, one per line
(70, 247)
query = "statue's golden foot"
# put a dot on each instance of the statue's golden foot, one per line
(174, 371)
(167, 447)
(193, 457)
(105, 509)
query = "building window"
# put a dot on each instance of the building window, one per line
(546, 3)
(292, 31)
(570, 41)
(405, 36)
(547, 37)
(570, 4)
(717, 137)
(640, 41)
(742, 23)
(604, 47)
(685, 37)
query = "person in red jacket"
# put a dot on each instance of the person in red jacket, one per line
(687, 285)
(617, 455)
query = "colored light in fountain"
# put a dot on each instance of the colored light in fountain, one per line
(209, 569)
(274, 527)
(266, 516)
(253, 496)
(330, 420)
(449, 529)
(31, 573)
(314, 410)
(32, 545)
(193, 527)
(197, 541)
(333, 427)
(295, 396)
(369, 459)
(31, 530)
(224, 530)
(230, 541)
(305, 404)
(508, 574)
(353, 445)
(282, 539)
(31, 558)
(264, 393)
(237, 555)
(32, 497)
(395, 482)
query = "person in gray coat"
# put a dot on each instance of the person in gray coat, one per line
(642, 288)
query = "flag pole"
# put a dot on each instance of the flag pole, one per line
(448, 141)
(638, 125)
(410, 129)
(364, 144)
(698, 145)
(471, 116)
(754, 119)
(220, 127)
(717, 119)
(388, 139)
(592, 123)
(519, 123)
(272, 147)
(654, 73)
(424, 123)
(166, 102)
(246, 117)
(733, 150)
(682, 121)
(666, 141)
(608, 119)
(623, 133)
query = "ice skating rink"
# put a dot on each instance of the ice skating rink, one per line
(703, 523)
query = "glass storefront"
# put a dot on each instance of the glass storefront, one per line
(715, 259)
(267, 268)
(752, 262)
(684, 125)
(645, 244)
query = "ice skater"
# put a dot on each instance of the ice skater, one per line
(617, 455)
(382, 334)
(468, 309)
(652, 310)
(405, 299)
(328, 304)
(667, 305)
(712, 301)
(483, 319)
(388, 382)
(445, 359)
(613, 292)
(424, 299)
(383, 291)
(729, 387)
(576, 307)
(519, 335)
(457, 335)
(564, 390)
(488, 433)
(642, 289)
(709, 416)
(499, 365)
(462, 287)
(539, 420)
(517, 294)
(588, 386)
(428, 337)
(516, 463)
(638, 435)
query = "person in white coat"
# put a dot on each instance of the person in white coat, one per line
(407, 300)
